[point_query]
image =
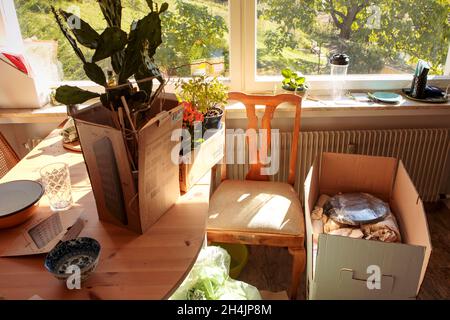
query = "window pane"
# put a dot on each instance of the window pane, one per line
(194, 31)
(380, 36)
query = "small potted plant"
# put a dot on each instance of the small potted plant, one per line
(206, 96)
(293, 81)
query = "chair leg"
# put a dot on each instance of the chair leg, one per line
(298, 266)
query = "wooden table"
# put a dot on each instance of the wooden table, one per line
(131, 266)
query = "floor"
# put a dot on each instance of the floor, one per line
(269, 268)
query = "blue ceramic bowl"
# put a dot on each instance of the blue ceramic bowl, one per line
(83, 252)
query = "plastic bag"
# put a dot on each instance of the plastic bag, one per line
(209, 280)
(356, 208)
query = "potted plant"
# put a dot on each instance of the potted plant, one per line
(293, 81)
(122, 130)
(205, 95)
(202, 99)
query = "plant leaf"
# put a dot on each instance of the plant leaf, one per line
(144, 39)
(66, 34)
(82, 31)
(299, 81)
(112, 40)
(112, 11)
(69, 95)
(95, 73)
(164, 7)
(286, 73)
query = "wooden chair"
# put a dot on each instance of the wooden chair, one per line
(257, 211)
(8, 158)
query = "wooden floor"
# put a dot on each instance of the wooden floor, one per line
(269, 268)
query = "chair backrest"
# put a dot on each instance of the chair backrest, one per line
(271, 103)
(8, 158)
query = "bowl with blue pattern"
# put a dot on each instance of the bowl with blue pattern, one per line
(82, 252)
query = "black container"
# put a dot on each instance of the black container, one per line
(213, 122)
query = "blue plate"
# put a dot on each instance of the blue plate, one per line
(388, 97)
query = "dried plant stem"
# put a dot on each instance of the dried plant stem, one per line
(127, 111)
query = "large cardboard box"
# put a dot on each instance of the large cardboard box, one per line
(125, 197)
(199, 161)
(339, 267)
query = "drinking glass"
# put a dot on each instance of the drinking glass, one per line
(55, 178)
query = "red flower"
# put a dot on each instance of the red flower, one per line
(190, 115)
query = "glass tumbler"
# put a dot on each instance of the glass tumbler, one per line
(339, 66)
(55, 178)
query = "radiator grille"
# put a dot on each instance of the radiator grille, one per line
(423, 151)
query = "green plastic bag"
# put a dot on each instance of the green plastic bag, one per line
(209, 280)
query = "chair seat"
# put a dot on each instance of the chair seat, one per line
(256, 206)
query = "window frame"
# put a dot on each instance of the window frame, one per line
(317, 83)
(242, 44)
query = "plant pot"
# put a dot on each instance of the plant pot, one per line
(288, 88)
(213, 121)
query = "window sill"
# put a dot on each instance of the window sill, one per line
(325, 107)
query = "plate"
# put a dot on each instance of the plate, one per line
(72, 146)
(425, 100)
(16, 201)
(388, 97)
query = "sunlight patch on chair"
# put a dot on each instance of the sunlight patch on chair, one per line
(272, 213)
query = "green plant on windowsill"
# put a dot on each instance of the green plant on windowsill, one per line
(292, 81)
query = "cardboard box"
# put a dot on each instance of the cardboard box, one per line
(339, 268)
(131, 199)
(199, 161)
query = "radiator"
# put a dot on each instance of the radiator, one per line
(423, 151)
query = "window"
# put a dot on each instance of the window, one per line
(250, 41)
(380, 36)
(195, 32)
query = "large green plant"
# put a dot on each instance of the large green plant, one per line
(130, 54)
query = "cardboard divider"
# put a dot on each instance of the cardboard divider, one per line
(356, 173)
(408, 207)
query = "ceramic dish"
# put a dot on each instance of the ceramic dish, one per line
(83, 252)
(386, 97)
(18, 201)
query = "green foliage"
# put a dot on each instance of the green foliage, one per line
(293, 81)
(191, 32)
(69, 95)
(95, 73)
(407, 31)
(85, 34)
(112, 40)
(202, 92)
(129, 55)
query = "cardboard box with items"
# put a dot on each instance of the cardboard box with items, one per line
(134, 199)
(351, 263)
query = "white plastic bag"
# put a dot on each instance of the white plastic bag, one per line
(209, 280)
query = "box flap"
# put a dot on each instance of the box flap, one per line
(357, 173)
(158, 190)
(344, 265)
(311, 188)
(408, 208)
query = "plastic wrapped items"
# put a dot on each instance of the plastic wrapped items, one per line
(355, 209)
(209, 280)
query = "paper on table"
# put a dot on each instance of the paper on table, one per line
(42, 233)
